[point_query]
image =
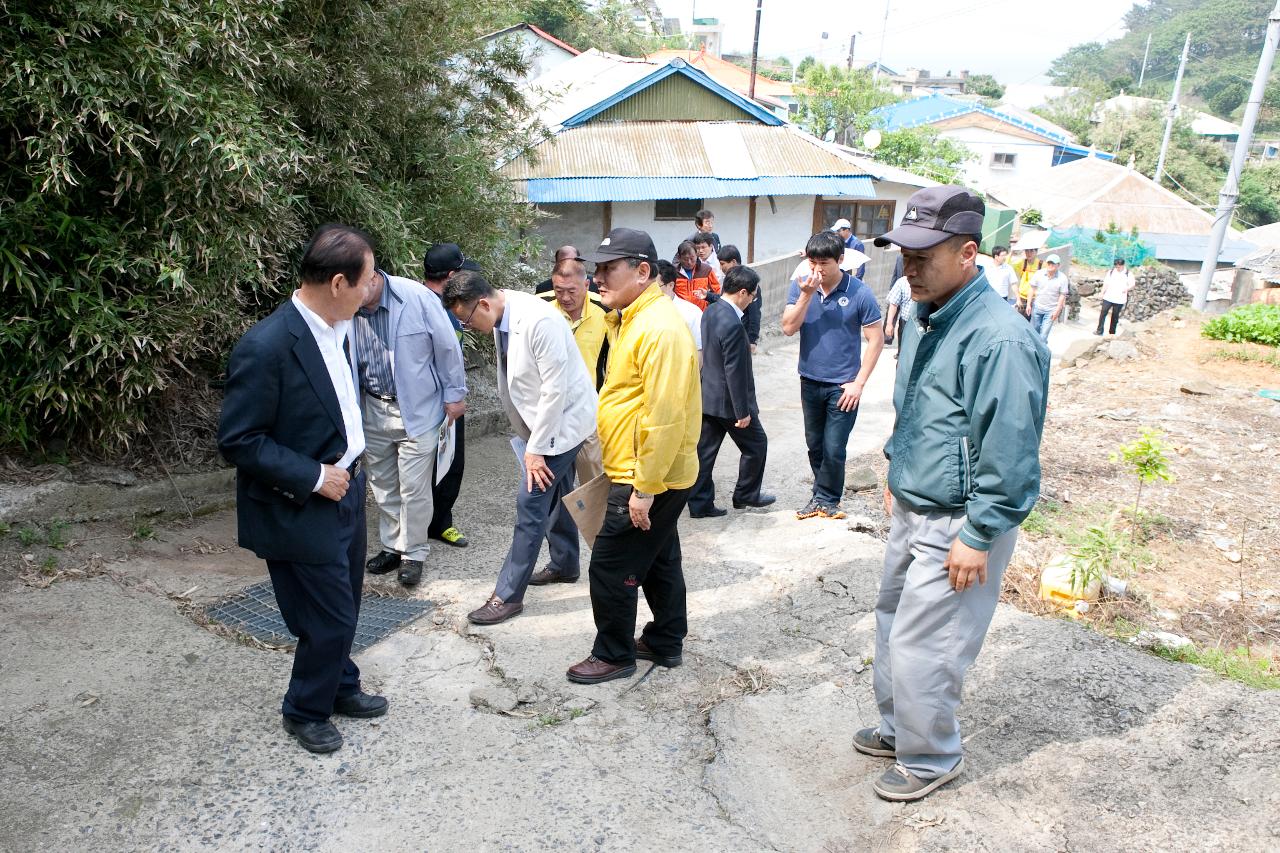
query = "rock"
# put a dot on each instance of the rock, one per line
(1257, 447)
(578, 703)
(1172, 410)
(1121, 350)
(1061, 377)
(1160, 639)
(1199, 388)
(497, 699)
(860, 478)
(1228, 596)
(1087, 287)
(1222, 543)
(1080, 349)
(863, 524)
(1232, 556)
(527, 694)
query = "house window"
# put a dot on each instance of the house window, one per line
(676, 208)
(1003, 161)
(869, 218)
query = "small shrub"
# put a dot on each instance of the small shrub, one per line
(1100, 551)
(56, 536)
(1258, 324)
(1148, 460)
(28, 536)
(142, 531)
(1235, 664)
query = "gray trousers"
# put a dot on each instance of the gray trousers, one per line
(541, 513)
(927, 637)
(401, 473)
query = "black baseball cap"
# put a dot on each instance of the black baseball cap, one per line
(444, 258)
(936, 214)
(624, 243)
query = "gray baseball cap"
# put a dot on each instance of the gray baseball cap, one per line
(936, 214)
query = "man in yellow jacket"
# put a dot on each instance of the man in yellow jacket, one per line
(649, 420)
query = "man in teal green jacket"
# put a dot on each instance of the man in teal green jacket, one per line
(964, 471)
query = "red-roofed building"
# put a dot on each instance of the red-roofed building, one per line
(543, 50)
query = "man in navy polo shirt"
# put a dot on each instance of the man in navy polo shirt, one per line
(834, 313)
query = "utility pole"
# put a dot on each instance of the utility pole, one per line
(852, 39)
(875, 75)
(1231, 189)
(755, 52)
(1173, 110)
(1142, 75)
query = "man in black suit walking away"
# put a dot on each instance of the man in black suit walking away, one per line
(291, 426)
(729, 399)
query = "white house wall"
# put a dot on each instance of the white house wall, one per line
(542, 55)
(1031, 156)
(777, 232)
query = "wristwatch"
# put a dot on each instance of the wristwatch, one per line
(639, 493)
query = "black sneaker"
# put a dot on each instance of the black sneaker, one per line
(869, 742)
(384, 562)
(410, 572)
(321, 736)
(811, 510)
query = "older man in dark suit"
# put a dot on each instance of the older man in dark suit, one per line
(291, 426)
(729, 399)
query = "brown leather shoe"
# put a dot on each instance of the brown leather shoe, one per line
(593, 671)
(643, 652)
(493, 612)
(542, 577)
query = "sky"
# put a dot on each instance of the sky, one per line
(1014, 40)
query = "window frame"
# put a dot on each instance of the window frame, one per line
(998, 163)
(821, 221)
(696, 203)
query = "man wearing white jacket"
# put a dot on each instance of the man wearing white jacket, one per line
(551, 403)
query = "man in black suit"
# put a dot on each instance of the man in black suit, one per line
(729, 399)
(291, 426)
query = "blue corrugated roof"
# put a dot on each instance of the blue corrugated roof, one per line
(557, 190)
(676, 66)
(936, 107)
(1193, 247)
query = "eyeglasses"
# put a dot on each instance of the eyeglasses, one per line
(466, 324)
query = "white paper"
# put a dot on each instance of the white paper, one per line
(445, 447)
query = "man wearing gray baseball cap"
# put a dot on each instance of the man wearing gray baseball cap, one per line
(964, 471)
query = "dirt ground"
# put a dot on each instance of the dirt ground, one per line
(1208, 570)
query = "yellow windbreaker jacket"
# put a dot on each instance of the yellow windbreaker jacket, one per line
(651, 405)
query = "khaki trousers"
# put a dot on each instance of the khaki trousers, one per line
(401, 470)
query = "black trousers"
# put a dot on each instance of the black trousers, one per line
(1115, 308)
(445, 493)
(320, 603)
(752, 443)
(626, 559)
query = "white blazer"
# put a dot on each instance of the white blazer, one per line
(545, 389)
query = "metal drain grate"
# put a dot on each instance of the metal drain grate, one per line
(254, 611)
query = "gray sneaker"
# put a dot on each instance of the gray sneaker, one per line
(899, 785)
(810, 510)
(868, 742)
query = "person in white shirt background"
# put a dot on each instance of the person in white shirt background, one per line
(1001, 275)
(1115, 293)
(691, 313)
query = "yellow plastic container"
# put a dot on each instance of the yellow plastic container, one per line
(1056, 587)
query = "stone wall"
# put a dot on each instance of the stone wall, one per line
(1157, 289)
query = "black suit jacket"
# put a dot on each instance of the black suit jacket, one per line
(728, 383)
(281, 420)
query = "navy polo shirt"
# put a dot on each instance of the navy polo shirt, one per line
(831, 334)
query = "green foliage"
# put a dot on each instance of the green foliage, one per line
(1258, 324)
(1032, 216)
(1226, 38)
(1074, 110)
(1236, 664)
(984, 85)
(608, 25)
(56, 536)
(1270, 356)
(142, 531)
(1101, 550)
(28, 536)
(1259, 202)
(167, 158)
(1147, 457)
(926, 152)
(836, 103)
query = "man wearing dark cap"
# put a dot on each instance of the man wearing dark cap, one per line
(440, 263)
(964, 471)
(649, 418)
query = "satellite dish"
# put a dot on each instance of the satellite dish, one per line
(871, 140)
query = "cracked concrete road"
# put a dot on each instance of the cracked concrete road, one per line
(126, 726)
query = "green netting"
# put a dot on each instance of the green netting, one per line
(1100, 248)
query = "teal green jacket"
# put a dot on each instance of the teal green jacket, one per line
(972, 383)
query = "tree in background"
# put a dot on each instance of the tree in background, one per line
(1074, 111)
(924, 151)
(984, 85)
(166, 159)
(608, 25)
(836, 103)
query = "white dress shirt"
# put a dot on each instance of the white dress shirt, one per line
(692, 315)
(329, 339)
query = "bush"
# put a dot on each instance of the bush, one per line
(1258, 324)
(167, 158)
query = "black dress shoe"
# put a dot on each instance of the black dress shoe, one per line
(314, 736)
(643, 652)
(386, 561)
(713, 512)
(761, 500)
(410, 572)
(542, 577)
(362, 705)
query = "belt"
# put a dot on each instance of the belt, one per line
(354, 468)
(386, 398)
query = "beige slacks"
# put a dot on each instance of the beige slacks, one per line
(401, 470)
